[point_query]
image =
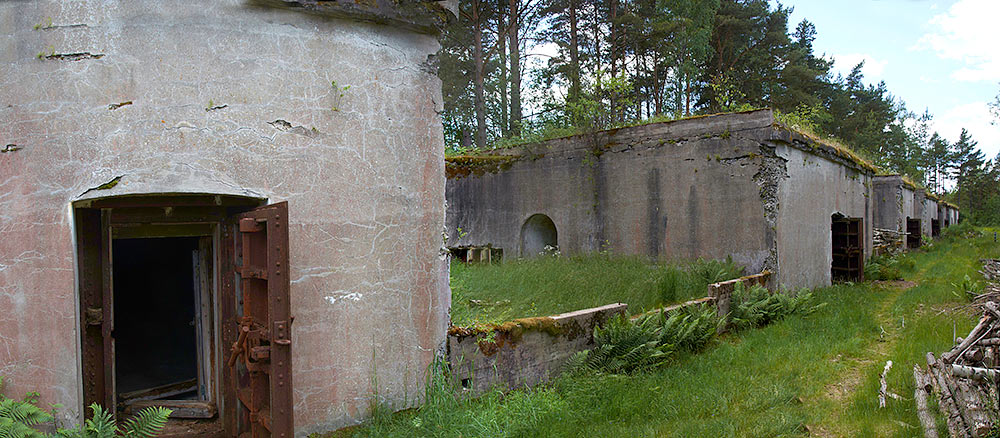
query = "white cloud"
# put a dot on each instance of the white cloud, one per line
(967, 33)
(873, 68)
(976, 118)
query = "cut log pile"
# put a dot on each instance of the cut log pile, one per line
(966, 379)
(888, 242)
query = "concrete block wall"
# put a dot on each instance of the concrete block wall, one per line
(522, 353)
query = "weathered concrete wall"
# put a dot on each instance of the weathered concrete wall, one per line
(930, 212)
(365, 182)
(713, 187)
(816, 188)
(652, 190)
(893, 201)
(523, 353)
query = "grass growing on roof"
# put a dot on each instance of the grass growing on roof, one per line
(547, 286)
(801, 376)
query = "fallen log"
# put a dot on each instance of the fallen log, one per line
(978, 332)
(970, 400)
(974, 372)
(920, 396)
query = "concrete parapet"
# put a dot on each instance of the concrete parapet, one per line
(523, 352)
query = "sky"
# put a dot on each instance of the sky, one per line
(938, 55)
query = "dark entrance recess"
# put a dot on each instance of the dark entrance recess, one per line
(913, 233)
(848, 249)
(157, 275)
(157, 323)
(935, 227)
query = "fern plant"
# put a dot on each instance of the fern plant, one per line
(19, 418)
(756, 306)
(627, 346)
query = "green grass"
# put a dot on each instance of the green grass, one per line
(551, 285)
(804, 375)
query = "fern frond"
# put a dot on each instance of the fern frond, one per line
(146, 423)
(101, 425)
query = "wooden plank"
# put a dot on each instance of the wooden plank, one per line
(133, 230)
(180, 408)
(159, 392)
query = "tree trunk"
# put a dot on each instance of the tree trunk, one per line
(574, 55)
(477, 53)
(515, 68)
(502, 42)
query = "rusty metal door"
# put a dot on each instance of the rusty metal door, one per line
(261, 356)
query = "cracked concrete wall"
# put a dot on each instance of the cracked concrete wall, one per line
(893, 202)
(184, 98)
(714, 187)
(815, 189)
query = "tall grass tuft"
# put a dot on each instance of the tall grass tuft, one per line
(551, 285)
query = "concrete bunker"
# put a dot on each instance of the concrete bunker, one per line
(738, 185)
(847, 235)
(537, 233)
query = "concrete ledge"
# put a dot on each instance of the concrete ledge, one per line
(523, 352)
(675, 307)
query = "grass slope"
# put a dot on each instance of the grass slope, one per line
(551, 285)
(811, 375)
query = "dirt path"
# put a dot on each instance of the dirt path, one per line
(838, 394)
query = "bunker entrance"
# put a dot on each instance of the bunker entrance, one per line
(158, 290)
(184, 303)
(848, 249)
(537, 233)
(913, 233)
(935, 227)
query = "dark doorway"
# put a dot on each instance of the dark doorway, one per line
(935, 227)
(912, 233)
(848, 249)
(537, 233)
(156, 307)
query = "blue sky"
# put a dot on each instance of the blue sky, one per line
(943, 56)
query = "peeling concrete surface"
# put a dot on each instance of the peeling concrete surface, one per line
(365, 192)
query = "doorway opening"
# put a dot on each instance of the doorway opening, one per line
(161, 294)
(537, 235)
(913, 233)
(848, 248)
(935, 227)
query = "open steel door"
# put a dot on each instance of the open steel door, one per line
(261, 357)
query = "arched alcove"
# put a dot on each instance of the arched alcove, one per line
(538, 232)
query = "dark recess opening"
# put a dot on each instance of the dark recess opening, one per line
(913, 233)
(156, 313)
(848, 249)
(935, 227)
(538, 232)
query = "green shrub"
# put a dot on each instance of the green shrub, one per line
(19, 418)
(884, 268)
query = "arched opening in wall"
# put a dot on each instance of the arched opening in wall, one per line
(537, 233)
(848, 248)
(912, 233)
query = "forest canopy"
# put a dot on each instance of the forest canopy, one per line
(522, 70)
